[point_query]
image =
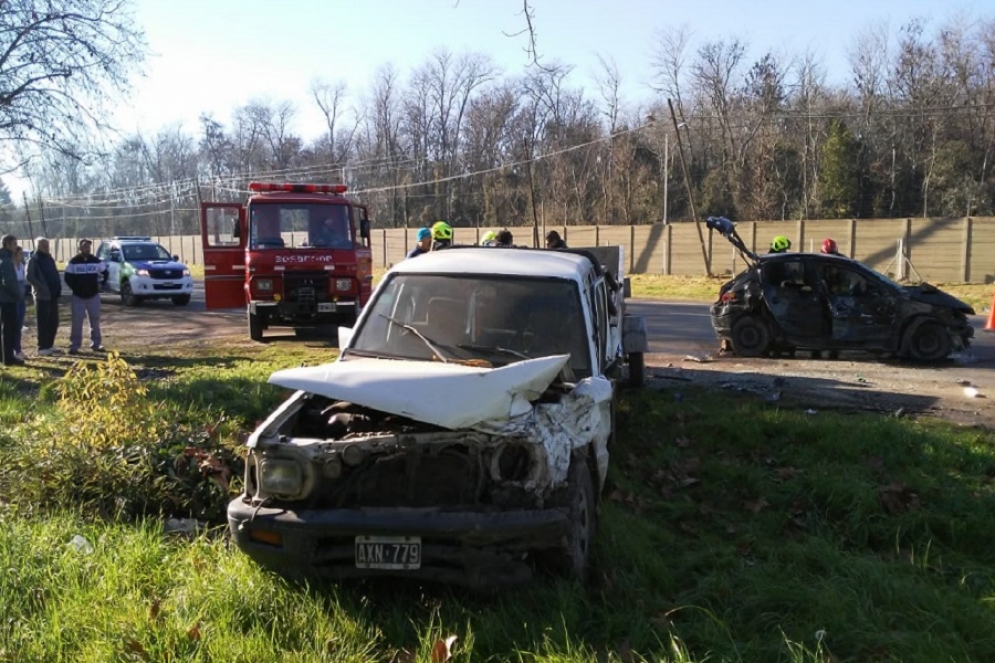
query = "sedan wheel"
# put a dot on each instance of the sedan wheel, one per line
(930, 342)
(750, 337)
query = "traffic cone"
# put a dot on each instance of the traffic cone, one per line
(990, 323)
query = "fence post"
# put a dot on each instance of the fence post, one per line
(667, 242)
(801, 234)
(753, 236)
(597, 235)
(383, 232)
(851, 237)
(632, 248)
(966, 256)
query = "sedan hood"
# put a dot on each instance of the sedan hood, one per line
(158, 264)
(930, 294)
(452, 396)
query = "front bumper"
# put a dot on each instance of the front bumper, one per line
(294, 313)
(470, 548)
(145, 286)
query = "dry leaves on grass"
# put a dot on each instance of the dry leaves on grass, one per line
(442, 650)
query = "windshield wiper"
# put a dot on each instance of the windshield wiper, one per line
(425, 340)
(495, 348)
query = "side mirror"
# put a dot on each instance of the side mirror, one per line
(364, 228)
(236, 229)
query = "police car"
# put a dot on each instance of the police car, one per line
(140, 269)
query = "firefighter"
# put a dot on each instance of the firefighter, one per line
(781, 244)
(424, 244)
(442, 235)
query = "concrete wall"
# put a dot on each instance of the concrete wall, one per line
(940, 250)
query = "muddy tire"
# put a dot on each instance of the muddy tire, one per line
(256, 327)
(930, 342)
(750, 337)
(128, 296)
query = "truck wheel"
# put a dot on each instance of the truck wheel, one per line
(128, 297)
(637, 369)
(930, 342)
(750, 337)
(181, 300)
(256, 327)
(573, 558)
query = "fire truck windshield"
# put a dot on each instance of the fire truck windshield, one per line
(275, 225)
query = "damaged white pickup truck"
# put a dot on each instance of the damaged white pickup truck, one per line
(462, 435)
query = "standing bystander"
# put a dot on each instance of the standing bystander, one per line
(43, 275)
(9, 296)
(84, 276)
(22, 285)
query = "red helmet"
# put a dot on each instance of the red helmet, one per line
(829, 246)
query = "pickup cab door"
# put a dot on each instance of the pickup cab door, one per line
(222, 229)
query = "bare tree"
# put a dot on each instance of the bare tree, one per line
(60, 63)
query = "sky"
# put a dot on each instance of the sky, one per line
(214, 55)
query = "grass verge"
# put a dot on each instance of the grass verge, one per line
(731, 530)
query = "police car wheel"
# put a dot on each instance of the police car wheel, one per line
(128, 297)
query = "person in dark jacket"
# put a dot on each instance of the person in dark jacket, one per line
(11, 293)
(424, 244)
(554, 241)
(43, 275)
(85, 275)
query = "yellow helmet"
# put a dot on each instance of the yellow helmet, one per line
(442, 230)
(780, 243)
(489, 236)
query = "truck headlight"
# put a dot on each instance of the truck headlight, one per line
(280, 477)
(343, 285)
(264, 285)
(141, 272)
(186, 272)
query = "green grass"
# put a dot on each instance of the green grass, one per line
(731, 531)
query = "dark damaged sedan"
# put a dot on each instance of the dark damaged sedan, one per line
(802, 301)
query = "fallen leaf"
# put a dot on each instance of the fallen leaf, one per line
(154, 610)
(136, 647)
(624, 651)
(193, 633)
(787, 472)
(662, 621)
(403, 656)
(442, 650)
(757, 505)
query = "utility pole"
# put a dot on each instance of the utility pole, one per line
(666, 174)
(687, 185)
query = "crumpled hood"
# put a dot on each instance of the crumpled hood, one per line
(452, 396)
(930, 294)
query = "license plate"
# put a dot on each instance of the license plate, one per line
(326, 308)
(168, 284)
(388, 552)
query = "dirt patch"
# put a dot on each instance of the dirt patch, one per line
(957, 390)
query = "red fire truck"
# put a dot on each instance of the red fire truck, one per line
(296, 255)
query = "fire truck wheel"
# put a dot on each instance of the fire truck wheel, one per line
(256, 326)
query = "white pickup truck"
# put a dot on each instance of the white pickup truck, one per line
(463, 435)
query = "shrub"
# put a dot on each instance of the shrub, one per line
(111, 449)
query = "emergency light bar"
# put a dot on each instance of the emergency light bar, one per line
(297, 188)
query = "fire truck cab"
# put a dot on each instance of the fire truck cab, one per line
(296, 255)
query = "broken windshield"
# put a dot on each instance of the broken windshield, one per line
(500, 319)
